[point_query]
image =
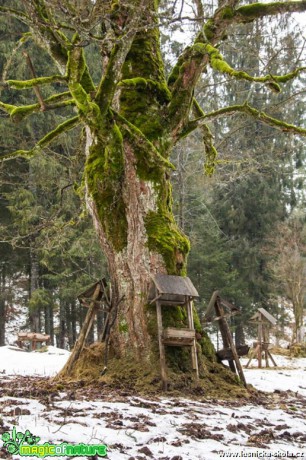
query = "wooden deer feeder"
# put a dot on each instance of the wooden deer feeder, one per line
(172, 291)
(34, 338)
(219, 310)
(264, 321)
(95, 298)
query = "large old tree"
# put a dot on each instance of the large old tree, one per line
(131, 121)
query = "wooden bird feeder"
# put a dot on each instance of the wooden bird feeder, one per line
(172, 291)
(219, 310)
(264, 321)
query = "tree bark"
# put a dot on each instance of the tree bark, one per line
(2, 307)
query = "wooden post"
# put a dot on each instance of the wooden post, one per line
(228, 342)
(259, 352)
(194, 357)
(83, 334)
(161, 346)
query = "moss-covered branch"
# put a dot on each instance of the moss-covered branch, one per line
(76, 67)
(181, 82)
(208, 140)
(219, 64)
(112, 76)
(195, 58)
(25, 84)
(45, 141)
(248, 110)
(18, 113)
(248, 13)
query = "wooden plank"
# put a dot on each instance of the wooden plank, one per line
(272, 359)
(171, 303)
(210, 310)
(194, 357)
(34, 336)
(162, 356)
(172, 342)
(173, 332)
(267, 315)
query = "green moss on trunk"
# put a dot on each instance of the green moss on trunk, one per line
(105, 174)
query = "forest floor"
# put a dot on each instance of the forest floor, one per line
(271, 424)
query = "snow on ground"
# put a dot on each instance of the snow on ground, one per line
(273, 425)
(35, 363)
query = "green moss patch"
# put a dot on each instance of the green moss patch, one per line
(104, 172)
(165, 238)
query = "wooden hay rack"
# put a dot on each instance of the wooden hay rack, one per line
(219, 310)
(34, 338)
(264, 321)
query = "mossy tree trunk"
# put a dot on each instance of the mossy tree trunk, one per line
(132, 119)
(129, 191)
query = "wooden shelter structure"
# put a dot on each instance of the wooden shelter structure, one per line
(264, 321)
(219, 310)
(34, 338)
(96, 297)
(171, 291)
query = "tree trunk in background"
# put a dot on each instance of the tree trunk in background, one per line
(239, 334)
(49, 322)
(62, 324)
(34, 314)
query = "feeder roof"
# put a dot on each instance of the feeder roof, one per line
(174, 285)
(87, 295)
(265, 314)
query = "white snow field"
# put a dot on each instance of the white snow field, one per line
(132, 427)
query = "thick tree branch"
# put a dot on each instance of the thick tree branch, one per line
(248, 13)
(195, 58)
(208, 141)
(112, 76)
